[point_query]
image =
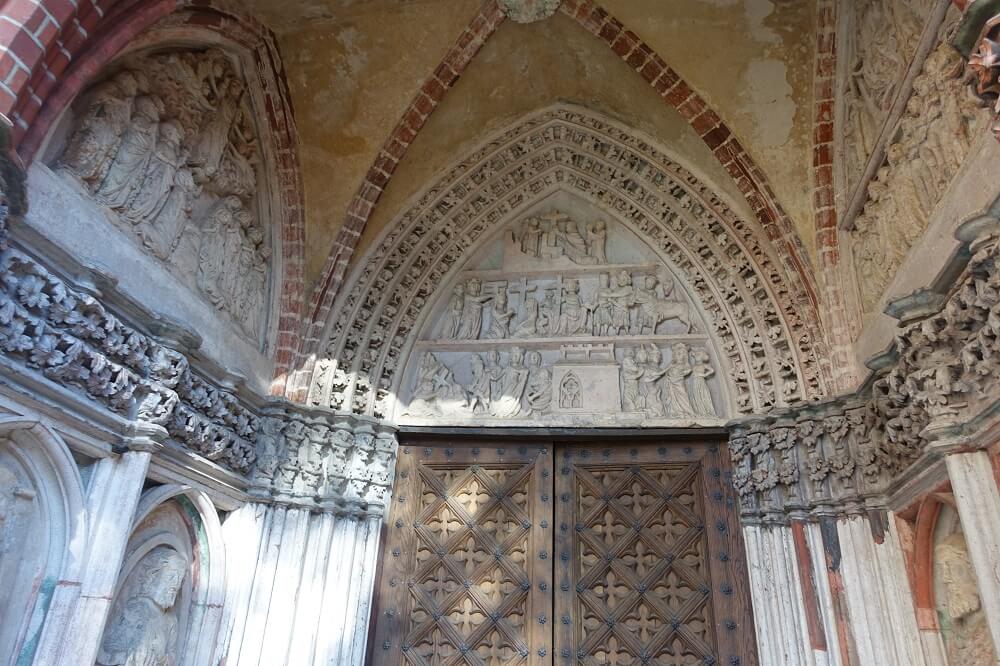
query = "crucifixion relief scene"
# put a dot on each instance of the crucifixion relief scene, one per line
(499, 333)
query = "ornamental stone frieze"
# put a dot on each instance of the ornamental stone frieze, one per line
(341, 464)
(843, 455)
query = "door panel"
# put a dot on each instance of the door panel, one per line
(466, 571)
(548, 553)
(650, 565)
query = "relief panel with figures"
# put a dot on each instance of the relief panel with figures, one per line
(565, 316)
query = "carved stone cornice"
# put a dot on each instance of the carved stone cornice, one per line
(843, 455)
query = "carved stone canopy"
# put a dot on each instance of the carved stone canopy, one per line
(529, 11)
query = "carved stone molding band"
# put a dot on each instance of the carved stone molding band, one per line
(842, 455)
(337, 464)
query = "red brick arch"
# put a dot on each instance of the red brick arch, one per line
(54, 48)
(672, 89)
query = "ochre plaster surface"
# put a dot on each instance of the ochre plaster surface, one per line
(524, 68)
(752, 61)
(354, 70)
(351, 79)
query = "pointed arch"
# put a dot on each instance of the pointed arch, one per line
(762, 314)
(671, 87)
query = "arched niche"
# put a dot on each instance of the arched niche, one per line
(762, 326)
(42, 531)
(169, 171)
(171, 586)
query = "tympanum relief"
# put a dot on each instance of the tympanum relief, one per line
(167, 143)
(566, 317)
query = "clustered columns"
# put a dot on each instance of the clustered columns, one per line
(827, 490)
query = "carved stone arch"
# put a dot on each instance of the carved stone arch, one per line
(178, 518)
(759, 310)
(43, 529)
(276, 198)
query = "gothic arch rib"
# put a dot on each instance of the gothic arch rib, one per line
(672, 88)
(762, 317)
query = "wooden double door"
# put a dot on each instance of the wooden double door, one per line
(506, 551)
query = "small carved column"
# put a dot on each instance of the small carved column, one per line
(113, 494)
(975, 488)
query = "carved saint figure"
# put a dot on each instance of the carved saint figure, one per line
(528, 327)
(571, 242)
(621, 298)
(513, 380)
(100, 126)
(649, 382)
(166, 159)
(472, 311)
(673, 391)
(538, 393)
(701, 396)
(968, 641)
(548, 315)
(569, 392)
(573, 315)
(529, 237)
(212, 255)
(597, 238)
(500, 316)
(161, 234)
(479, 390)
(600, 323)
(142, 630)
(631, 374)
(453, 318)
(128, 167)
(435, 387)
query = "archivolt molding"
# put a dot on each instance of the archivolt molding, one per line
(762, 317)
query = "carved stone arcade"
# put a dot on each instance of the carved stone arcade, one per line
(166, 142)
(694, 256)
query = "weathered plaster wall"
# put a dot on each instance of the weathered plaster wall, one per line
(524, 68)
(752, 61)
(351, 79)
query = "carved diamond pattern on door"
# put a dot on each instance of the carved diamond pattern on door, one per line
(473, 555)
(637, 550)
(637, 580)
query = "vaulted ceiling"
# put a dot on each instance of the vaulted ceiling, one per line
(355, 66)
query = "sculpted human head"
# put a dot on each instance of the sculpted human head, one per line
(164, 573)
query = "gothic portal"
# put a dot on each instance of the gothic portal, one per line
(499, 333)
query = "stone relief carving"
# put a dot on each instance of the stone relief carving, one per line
(529, 11)
(142, 630)
(841, 454)
(579, 328)
(168, 145)
(73, 340)
(984, 69)
(967, 634)
(754, 308)
(933, 137)
(882, 39)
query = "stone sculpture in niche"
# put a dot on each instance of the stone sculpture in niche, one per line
(967, 638)
(142, 630)
(168, 145)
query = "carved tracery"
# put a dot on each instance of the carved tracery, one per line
(754, 308)
(167, 142)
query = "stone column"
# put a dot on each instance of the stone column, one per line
(77, 614)
(975, 488)
(302, 558)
